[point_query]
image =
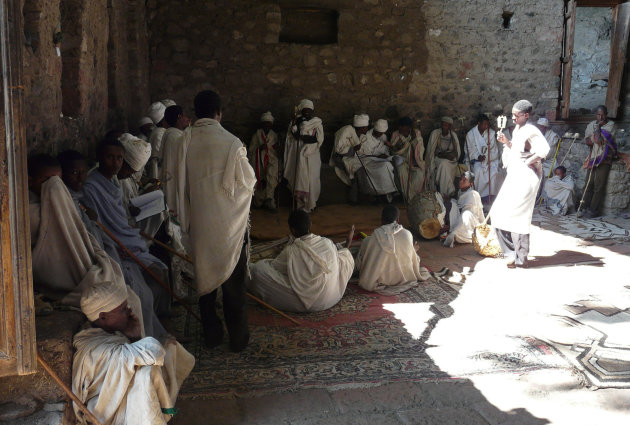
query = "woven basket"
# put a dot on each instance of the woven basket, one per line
(485, 241)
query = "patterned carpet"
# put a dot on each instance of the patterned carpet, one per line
(594, 229)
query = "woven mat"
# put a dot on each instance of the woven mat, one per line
(328, 220)
(593, 229)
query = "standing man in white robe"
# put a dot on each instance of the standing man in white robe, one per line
(121, 377)
(348, 142)
(219, 186)
(387, 261)
(263, 156)
(443, 152)
(512, 211)
(302, 161)
(310, 274)
(173, 175)
(407, 147)
(552, 139)
(466, 212)
(558, 192)
(482, 155)
(156, 113)
(376, 177)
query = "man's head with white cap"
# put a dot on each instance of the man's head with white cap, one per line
(360, 123)
(542, 124)
(447, 125)
(306, 108)
(105, 305)
(380, 127)
(266, 121)
(145, 125)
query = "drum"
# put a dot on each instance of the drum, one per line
(426, 213)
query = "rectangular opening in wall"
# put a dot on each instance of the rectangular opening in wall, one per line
(309, 25)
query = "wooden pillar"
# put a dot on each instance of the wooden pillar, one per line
(618, 50)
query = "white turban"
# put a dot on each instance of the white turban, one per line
(156, 112)
(137, 151)
(168, 102)
(144, 121)
(305, 103)
(361, 120)
(447, 120)
(543, 121)
(102, 297)
(266, 117)
(522, 105)
(381, 126)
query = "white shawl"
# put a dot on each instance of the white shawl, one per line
(387, 261)
(174, 172)
(219, 187)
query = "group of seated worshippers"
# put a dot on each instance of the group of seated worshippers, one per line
(76, 263)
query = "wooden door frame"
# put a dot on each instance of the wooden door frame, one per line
(17, 316)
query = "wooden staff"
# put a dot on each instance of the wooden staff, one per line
(258, 300)
(145, 268)
(67, 390)
(489, 171)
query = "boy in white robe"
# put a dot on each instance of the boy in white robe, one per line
(263, 156)
(558, 192)
(120, 376)
(173, 175)
(309, 275)
(482, 155)
(387, 261)
(219, 188)
(348, 142)
(443, 152)
(512, 211)
(407, 147)
(302, 161)
(466, 212)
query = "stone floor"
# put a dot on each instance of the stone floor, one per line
(494, 304)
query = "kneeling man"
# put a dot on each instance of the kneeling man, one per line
(387, 261)
(121, 377)
(310, 274)
(466, 212)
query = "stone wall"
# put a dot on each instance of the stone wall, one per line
(96, 83)
(393, 58)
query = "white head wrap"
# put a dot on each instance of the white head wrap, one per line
(522, 105)
(156, 112)
(102, 297)
(543, 121)
(168, 102)
(447, 120)
(137, 151)
(361, 120)
(381, 126)
(266, 117)
(305, 103)
(144, 121)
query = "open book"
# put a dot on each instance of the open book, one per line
(150, 204)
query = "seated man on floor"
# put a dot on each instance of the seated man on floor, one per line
(120, 376)
(310, 274)
(558, 192)
(387, 261)
(104, 195)
(66, 256)
(466, 212)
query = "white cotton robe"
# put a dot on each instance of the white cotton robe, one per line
(548, 163)
(466, 213)
(411, 167)
(174, 172)
(154, 165)
(442, 172)
(310, 274)
(345, 140)
(219, 188)
(306, 184)
(558, 194)
(514, 206)
(387, 261)
(487, 178)
(125, 383)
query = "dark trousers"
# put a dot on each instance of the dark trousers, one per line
(234, 305)
(596, 189)
(515, 246)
